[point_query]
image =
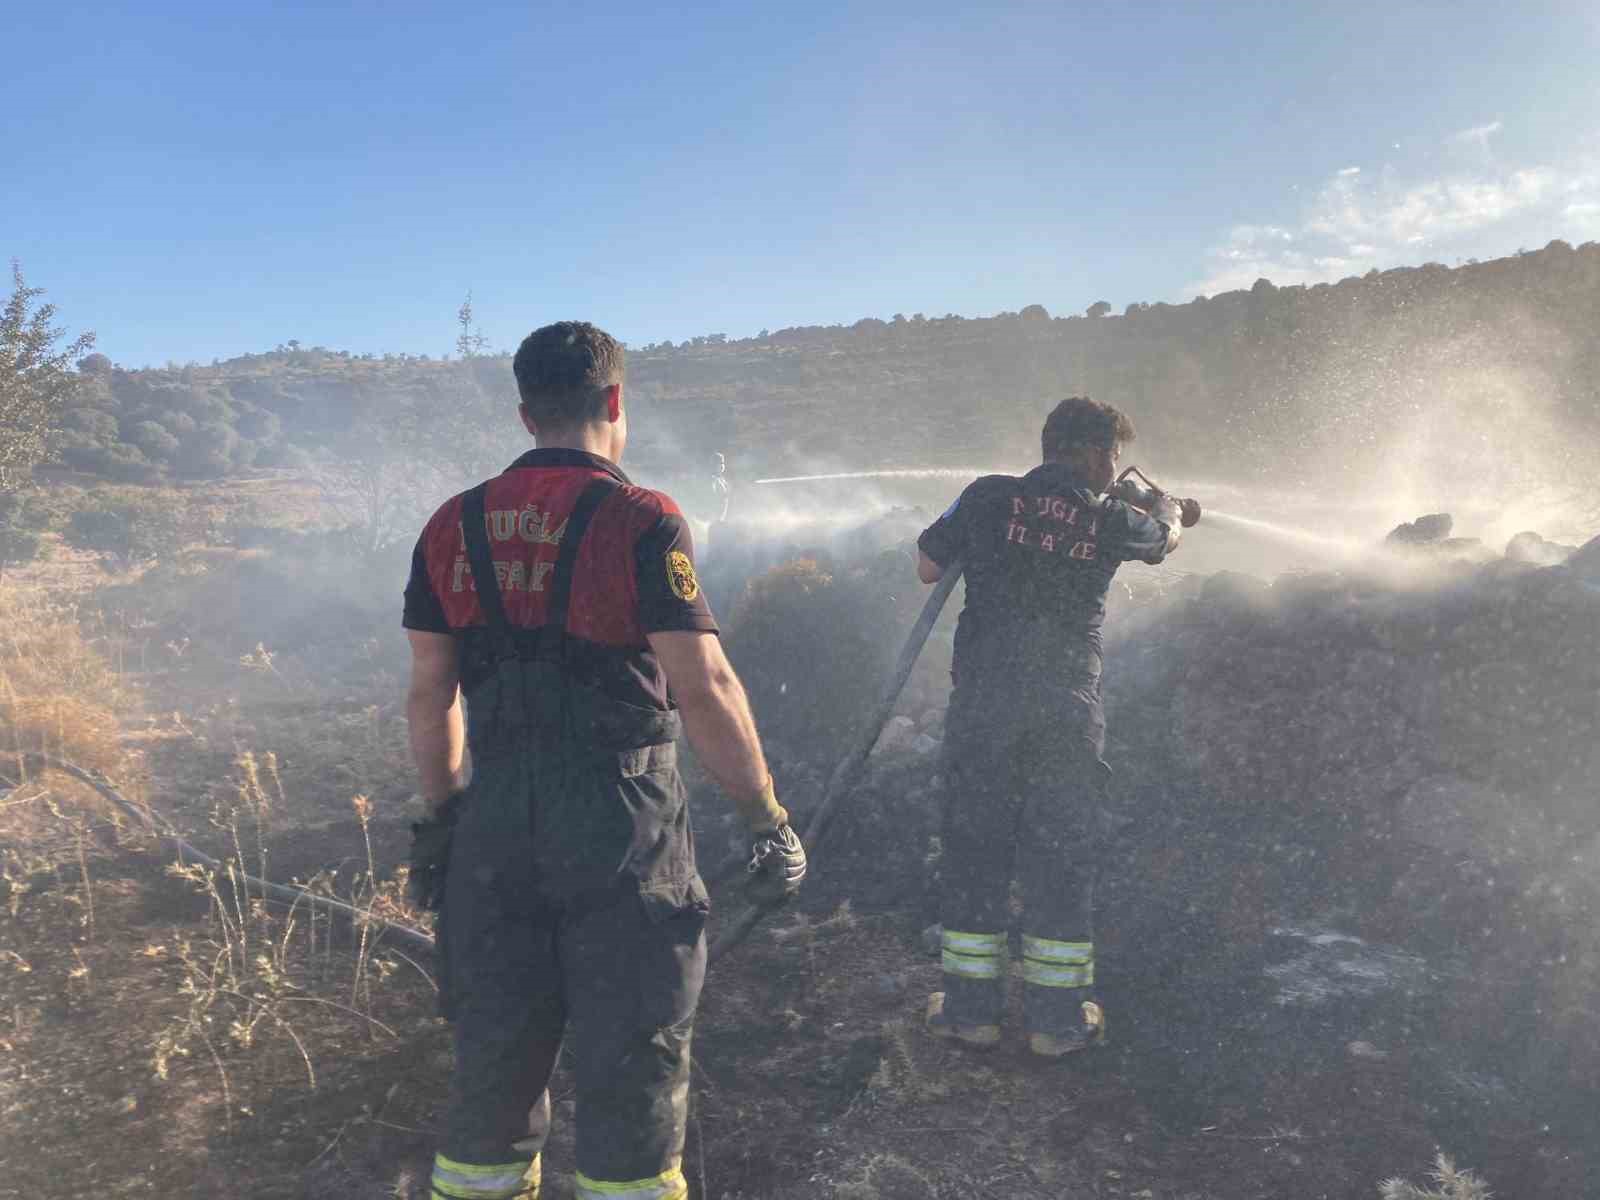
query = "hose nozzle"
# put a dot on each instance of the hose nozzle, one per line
(1134, 487)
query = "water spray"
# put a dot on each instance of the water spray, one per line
(895, 473)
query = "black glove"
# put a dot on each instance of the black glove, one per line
(430, 853)
(777, 865)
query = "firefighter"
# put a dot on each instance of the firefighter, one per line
(1025, 732)
(559, 601)
(719, 487)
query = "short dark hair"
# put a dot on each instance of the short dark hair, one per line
(1080, 421)
(564, 370)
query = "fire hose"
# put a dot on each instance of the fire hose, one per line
(845, 775)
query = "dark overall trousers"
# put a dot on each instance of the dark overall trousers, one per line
(1024, 785)
(572, 904)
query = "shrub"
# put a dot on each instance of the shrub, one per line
(18, 546)
(129, 529)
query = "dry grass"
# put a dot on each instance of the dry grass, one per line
(260, 975)
(59, 695)
(1453, 1183)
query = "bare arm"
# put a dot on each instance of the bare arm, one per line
(433, 711)
(927, 570)
(716, 717)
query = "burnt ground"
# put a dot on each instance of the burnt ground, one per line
(1298, 1006)
(813, 1077)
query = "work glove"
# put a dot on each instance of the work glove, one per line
(777, 866)
(430, 853)
(1167, 510)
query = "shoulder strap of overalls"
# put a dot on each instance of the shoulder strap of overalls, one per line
(555, 612)
(473, 527)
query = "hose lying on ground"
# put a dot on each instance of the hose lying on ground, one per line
(845, 775)
(163, 828)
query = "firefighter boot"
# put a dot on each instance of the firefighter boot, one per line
(1090, 1033)
(941, 1026)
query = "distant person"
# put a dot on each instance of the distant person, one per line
(720, 488)
(1025, 732)
(561, 601)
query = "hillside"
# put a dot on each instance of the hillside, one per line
(1430, 357)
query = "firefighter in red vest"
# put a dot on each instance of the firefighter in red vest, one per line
(1025, 732)
(559, 601)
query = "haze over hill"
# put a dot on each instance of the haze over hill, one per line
(1432, 386)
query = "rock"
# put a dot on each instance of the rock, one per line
(1434, 527)
(931, 720)
(896, 735)
(1529, 547)
(933, 940)
(923, 744)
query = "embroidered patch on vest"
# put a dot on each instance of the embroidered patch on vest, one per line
(681, 577)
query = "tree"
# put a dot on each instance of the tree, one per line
(470, 342)
(1098, 309)
(36, 379)
(127, 528)
(20, 538)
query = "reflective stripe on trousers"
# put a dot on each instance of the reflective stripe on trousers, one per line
(669, 1185)
(1049, 963)
(972, 955)
(454, 1180)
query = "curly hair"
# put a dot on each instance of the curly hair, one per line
(1080, 421)
(564, 370)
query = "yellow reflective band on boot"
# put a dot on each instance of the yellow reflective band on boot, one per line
(669, 1185)
(473, 1181)
(1048, 963)
(972, 955)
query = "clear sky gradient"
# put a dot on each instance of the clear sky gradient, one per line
(196, 180)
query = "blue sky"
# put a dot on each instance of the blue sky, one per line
(195, 180)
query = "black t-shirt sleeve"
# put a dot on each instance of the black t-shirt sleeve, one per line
(670, 596)
(945, 539)
(1132, 536)
(423, 612)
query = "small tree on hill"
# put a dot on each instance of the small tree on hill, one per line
(470, 342)
(36, 379)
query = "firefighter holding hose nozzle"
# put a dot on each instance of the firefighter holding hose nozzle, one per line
(1025, 774)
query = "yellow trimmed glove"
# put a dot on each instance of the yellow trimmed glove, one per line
(777, 866)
